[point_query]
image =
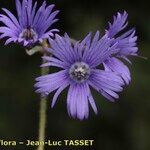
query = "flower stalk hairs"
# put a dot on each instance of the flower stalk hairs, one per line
(92, 63)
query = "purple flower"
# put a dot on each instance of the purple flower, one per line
(79, 63)
(126, 46)
(31, 27)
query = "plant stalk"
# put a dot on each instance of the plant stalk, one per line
(43, 107)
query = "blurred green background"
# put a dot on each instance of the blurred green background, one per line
(124, 125)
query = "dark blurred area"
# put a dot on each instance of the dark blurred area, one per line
(124, 125)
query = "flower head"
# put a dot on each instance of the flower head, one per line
(126, 40)
(31, 27)
(126, 46)
(79, 64)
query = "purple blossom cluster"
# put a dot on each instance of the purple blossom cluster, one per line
(92, 63)
(31, 26)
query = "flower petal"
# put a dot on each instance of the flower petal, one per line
(100, 52)
(119, 23)
(106, 82)
(77, 102)
(127, 41)
(48, 83)
(58, 93)
(12, 17)
(91, 100)
(117, 66)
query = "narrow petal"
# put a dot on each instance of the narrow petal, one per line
(77, 102)
(33, 13)
(126, 41)
(19, 11)
(39, 13)
(119, 23)
(48, 64)
(117, 66)
(82, 103)
(93, 45)
(91, 100)
(12, 17)
(106, 81)
(71, 101)
(7, 32)
(103, 50)
(9, 23)
(24, 14)
(58, 93)
(60, 49)
(55, 60)
(9, 40)
(44, 27)
(48, 83)
(127, 44)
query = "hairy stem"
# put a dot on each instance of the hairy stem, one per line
(43, 105)
(42, 113)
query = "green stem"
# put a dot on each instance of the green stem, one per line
(42, 113)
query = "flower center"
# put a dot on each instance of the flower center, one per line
(28, 34)
(79, 72)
